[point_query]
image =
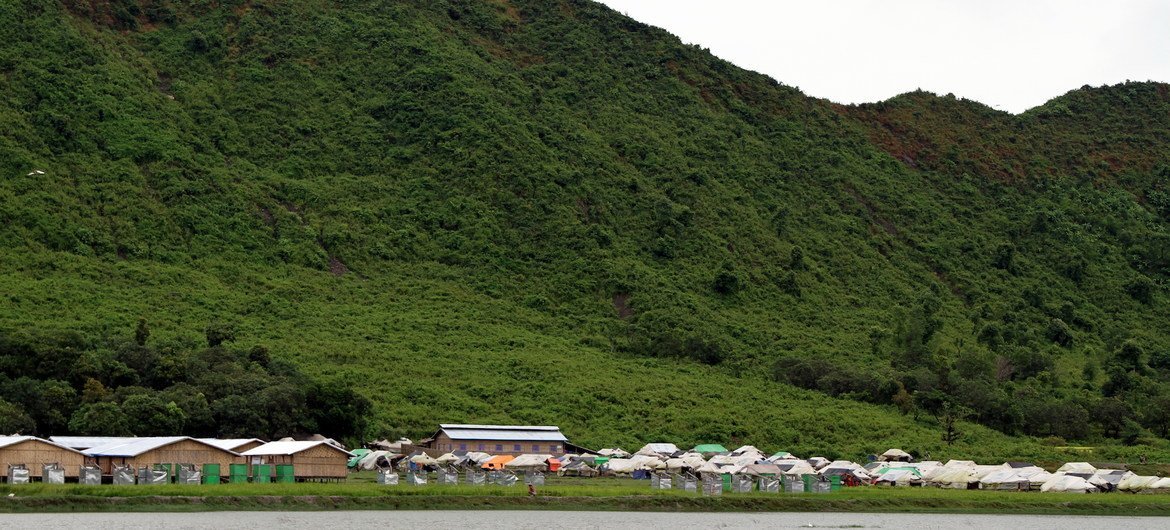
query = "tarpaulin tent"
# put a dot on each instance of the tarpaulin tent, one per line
(749, 450)
(423, 459)
(896, 455)
(818, 462)
(623, 466)
(1109, 479)
(1138, 483)
(615, 452)
(1068, 484)
(369, 461)
(529, 462)
(447, 459)
(900, 476)
(845, 470)
(955, 477)
(1015, 478)
(795, 467)
(497, 462)
(658, 449)
(729, 460)
(577, 468)
(357, 457)
(649, 462)
(757, 470)
(1077, 468)
(691, 462)
(709, 449)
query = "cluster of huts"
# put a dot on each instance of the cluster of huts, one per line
(741, 468)
(497, 454)
(160, 460)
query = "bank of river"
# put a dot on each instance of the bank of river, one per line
(866, 500)
(562, 520)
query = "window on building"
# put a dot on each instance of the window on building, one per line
(462, 447)
(516, 448)
(482, 447)
(554, 449)
(536, 449)
(499, 447)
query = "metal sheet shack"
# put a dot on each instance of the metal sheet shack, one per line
(33, 453)
(140, 452)
(315, 460)
(498, 439)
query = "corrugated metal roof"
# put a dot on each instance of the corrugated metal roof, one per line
(230, 444)
(517, 433)
(501, 427)
(86, 442)
(288, 448)
(136, 446)
(6, 441)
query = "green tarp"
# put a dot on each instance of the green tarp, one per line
(709, 448)
(357, 455)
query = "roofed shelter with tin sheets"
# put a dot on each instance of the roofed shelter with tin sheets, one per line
(149, 451)
(34, 453)
(310, 460)
(498, 439)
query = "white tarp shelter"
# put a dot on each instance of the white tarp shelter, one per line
(1068, 484)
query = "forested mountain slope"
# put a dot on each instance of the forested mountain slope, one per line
(541, 211)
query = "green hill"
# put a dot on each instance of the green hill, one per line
(541, 211)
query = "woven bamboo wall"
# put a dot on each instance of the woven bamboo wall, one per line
(319, 462)
(182, 452)
(35, 453)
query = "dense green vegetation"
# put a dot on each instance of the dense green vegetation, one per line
(64, 384)
(541, 211)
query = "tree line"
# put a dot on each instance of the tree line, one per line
(70, 383)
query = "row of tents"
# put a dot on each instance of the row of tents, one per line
(1073, 477)
(893, 468)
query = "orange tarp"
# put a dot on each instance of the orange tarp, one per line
(497, 462)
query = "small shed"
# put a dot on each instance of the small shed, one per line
(146, 452)
(311, 460)
(33, 453)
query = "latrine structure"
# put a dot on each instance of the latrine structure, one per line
(311, 461)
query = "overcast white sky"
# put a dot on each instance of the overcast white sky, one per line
(1009, 54)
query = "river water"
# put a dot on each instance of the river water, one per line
(562, 520)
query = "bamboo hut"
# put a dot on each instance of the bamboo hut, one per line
(34, 453)
(146, 452)
(311, 460)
